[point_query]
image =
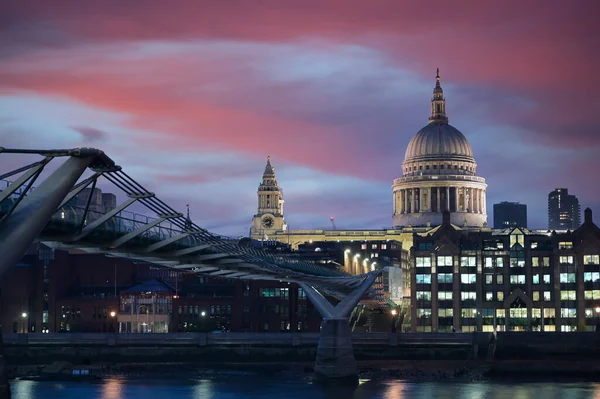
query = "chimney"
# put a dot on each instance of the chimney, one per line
(587, 216)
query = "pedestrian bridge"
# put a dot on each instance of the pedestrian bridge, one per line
(40, 201)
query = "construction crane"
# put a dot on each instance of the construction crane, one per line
(333, 223)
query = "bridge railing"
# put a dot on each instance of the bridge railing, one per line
(70, 218)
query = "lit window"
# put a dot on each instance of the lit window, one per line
(489, 296)
(423, 262)
(568, 295)
(547, 296)
(468, 278)
(444, 278)
(517, 279)
(445, 295)
(489, 278)
(567, 278)
(591, 294)
(499, 262)
(567, 260)
(536, 279)
(536, 295)
(500, 312)
(444, 261)
(534, 245)
(468, 261)
(568, 312)
(499, 279)
(424, 296)
(546, 261)
(500, 295)
(535, 262)
(536, 312)
(546, 279)
(423, 278)
(591, 259)
(565, 245)
(489, 262)
(466, 296)
(589, 277)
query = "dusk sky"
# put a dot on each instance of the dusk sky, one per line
(190, 97)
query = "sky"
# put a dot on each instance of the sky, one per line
(190, 97)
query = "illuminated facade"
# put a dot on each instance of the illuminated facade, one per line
(511, 280)
(439, 174)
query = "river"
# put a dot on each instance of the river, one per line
(244, 386)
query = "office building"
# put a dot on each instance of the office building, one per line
(510, 214)
(563, 210)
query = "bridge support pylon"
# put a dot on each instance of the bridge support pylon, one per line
(18, 231)
(335, 355)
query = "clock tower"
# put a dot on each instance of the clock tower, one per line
(269, 217)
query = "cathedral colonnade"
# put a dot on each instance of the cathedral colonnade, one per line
(440, 198)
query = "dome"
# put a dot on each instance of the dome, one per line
(438, 141)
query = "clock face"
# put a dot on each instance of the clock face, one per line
(267, 222)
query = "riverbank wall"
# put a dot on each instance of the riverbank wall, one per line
(79, 348)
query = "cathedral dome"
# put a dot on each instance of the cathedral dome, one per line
(438, 141)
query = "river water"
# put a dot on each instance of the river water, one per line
(271, 387)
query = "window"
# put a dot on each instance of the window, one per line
(445, 295)
(500, 295)
(489, 262)
(591, 294)
(423, 278)
(535, 262)
(546, 279)
(536, 279)
(566, 260)
(517, 279)
(591, 259)
(536, 296)
(567, 295)
(568, 312)
(363, 246)
(465, 296)
(468, 278)
(536, 312)
(546, 261)
(500, 312)
(547, 296)
(518, 261)
(489, 296)
(489, 278)
(424, 296)
(565, 245)
(499, 279)
(534, 245)
(446, 312)
(444, 260)
(518, 313)
(567, 278)
(383, 246)
(423, 262)
(444, 278)
(549, 312)
(589, 277)
(518, 238)
(468, 261)
(423, 313)
(499, 262)
(469, 313)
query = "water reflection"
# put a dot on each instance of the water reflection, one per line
(256, 386)
(112, 388)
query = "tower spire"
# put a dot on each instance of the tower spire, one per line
(188, 220)
(438, 103)
(269, 170)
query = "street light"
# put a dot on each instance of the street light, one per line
(394, 312)
(203, 313)
(23, 316)
(113, 313)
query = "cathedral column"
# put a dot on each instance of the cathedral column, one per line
(456, 199)
(405, 200)
(484, 202)
(471, 200)
(448, 199)
(413, 200)
(437, 205)
(479, 207)
(429, 201)
(475, 201)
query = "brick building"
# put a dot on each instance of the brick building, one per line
(514, 279)
(54, 291)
